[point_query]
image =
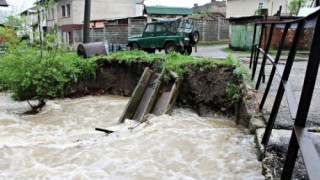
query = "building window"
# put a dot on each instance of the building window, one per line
(260, 6)
(52, 13)
(68, 10)
(65, 11)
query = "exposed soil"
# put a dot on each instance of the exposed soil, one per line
(204, 90)
(276, 155)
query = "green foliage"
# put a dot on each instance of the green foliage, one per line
(235, 91)
(173, 62)
(239, 68)
(295, 5)
(228, 50)
(202, 14)
(212, 43)
(30, 74)
(39, 70)
(131, 56)
(257, 12)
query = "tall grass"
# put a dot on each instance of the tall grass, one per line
(174, 62)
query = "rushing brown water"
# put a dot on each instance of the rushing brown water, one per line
(61, 143)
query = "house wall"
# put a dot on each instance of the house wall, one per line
(100, 9)
(51, 21)
(239, 8)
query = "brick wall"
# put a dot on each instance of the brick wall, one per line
(304, 43)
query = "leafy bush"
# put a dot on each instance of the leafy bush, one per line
(235, 91)
(202, 14)
(295, 5)
(39, 71)
(34, 75)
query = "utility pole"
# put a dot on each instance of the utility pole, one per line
(86, 23)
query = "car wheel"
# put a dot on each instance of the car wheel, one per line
(170, 48)
(134, 46)
(194, 37)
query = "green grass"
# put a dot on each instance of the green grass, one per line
(231, 51)
(286, 53)
(212, 43)
(174, 62)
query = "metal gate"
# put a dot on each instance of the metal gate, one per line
(300, 137)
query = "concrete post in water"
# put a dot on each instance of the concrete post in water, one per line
(86, 23)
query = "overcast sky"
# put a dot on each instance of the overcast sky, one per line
(20, 5)
(177, 3)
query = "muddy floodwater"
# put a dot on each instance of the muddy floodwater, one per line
(61, 143)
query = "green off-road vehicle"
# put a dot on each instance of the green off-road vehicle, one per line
(176, 35)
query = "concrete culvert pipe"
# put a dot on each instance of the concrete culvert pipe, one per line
(91, 49)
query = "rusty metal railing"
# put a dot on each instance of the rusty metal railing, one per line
(300, 138)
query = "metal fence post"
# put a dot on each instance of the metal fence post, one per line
(273, 71)
(257, 53)
(264, 60)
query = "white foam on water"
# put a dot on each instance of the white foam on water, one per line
(61, 143)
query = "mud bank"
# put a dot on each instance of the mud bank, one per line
(203, 89)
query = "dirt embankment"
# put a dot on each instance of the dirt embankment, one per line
(203, 89)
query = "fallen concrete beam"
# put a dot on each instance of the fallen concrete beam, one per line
(149, 96)
(136, 97)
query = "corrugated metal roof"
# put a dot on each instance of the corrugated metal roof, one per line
(165, 10)
(3, 3)
(307, 11)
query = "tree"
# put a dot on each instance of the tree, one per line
(295, 5)
(39, 70)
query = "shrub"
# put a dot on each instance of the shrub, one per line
(39, 71)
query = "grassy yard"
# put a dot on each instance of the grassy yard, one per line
(231, 51)
(212, 43)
